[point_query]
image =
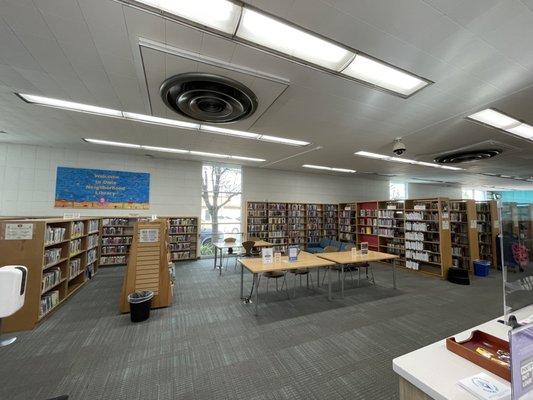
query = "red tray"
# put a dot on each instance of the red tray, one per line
(467, 349)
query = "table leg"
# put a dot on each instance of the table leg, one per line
(215, 259)
(329, 283)
(256, 292)
(242, 282)
(318, 277)
(221, 259)
(394, 273)
(342, 281)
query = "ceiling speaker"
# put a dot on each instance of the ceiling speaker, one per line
(465, 156)
(208, 98)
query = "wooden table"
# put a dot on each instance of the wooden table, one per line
(346, 258)
(220, 246)
(256, 267)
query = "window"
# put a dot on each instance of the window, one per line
(478, 195)
(221, 204)
(397, 191)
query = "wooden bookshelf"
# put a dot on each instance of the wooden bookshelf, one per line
(257, 220)
(314, 223)
(347, 222)
(427, 236)
(296, 224)
(525, 225)
(391, 228)
(367, 224)
(330, 221)
(183, 238)
(61, 256)
(278, 234)
(117, 236)
(464, 234)
(488, 227)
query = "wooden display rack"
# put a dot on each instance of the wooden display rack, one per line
(148, 264)
(52, 279)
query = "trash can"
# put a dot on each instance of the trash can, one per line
(140, 303)
(481, 267)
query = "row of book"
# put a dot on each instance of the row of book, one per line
(117, 240)
(91, 256)
(108, 260)
(115, 222)
(182, 221)
(54, 234)
(93, 226)
(113, 230)
(115, 249)
(75, 268)
(51, 277)
(92, 241)
(182, 238)
(48, 301)
(182, 255)
(52, 256)
(74, 246)
(421, 226)
(182, 229)
(77, 229)
(179, 246)
(422, 256)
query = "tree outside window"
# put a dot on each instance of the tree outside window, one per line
(221, 204)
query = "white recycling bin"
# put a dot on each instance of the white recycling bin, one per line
(13, 280)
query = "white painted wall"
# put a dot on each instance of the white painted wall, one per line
(424, 190)
(28, 173)
(285, 186)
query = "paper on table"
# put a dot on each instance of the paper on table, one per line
(483, 387)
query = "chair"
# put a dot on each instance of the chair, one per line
(230, 249)
(275, 275)
(13, 282)
(248, 247)
(301, 272)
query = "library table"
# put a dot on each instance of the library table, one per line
(220, 246)
(432, 372)
(347, 258)
(255, 266)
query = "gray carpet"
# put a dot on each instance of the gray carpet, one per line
(210, 346)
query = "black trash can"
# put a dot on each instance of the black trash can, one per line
(140, 303)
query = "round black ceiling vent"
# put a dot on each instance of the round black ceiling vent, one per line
(208, 98)
(465, 156)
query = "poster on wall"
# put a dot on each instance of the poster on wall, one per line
(96, 188)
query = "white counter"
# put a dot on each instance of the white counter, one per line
(435, 370)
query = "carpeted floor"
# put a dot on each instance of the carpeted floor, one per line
(209, 345)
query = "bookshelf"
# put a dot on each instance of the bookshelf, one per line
(347, 222)
(183, 238)
(277, 226)
(525, 225)
(367, 224)
(488, 227)
(296, 224)
(391, 228)
(427, 236)
(61, 256)
(285, 224)
(257, 220)
(464, 233)
(314, 223)
(330, 222)
(117, 234)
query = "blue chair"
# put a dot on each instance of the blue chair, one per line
(318, 247)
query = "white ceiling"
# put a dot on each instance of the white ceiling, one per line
(478, 53)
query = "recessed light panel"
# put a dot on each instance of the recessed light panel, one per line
(69, 105)
(172, 150)
(280, 36)
(494, 118)
(523, 130)
(160, 121)
(382, 75)
(403, 160)
(275, 139)
(229, 132)
(221, 15)
(350, 171)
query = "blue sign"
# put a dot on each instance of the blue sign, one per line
(96, 188)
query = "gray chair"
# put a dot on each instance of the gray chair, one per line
(230, 251)
(301, 272)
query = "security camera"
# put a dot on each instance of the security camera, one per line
(399, 147)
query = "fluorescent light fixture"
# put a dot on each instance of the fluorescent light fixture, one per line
(404, 160)
(160, 121)
(69, 105)
(217, 14)
(247, 158)
(350, 171)
(111, 143)
(523, 130)
(229, 132)
(282, 37)
(171, 150)
(494, 118)
(165, 149)
(275, 139)
(380, 74)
